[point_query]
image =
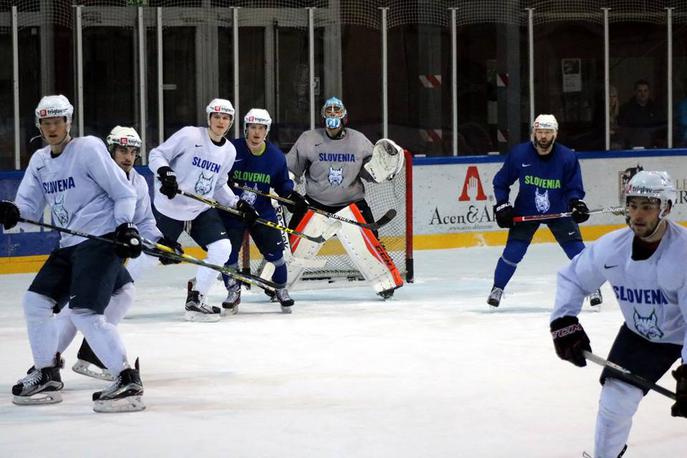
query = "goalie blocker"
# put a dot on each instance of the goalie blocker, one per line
(361, 244)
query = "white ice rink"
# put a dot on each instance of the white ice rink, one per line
(431, 373)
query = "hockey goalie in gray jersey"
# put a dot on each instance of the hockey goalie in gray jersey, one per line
(643, 264)
(333, 161)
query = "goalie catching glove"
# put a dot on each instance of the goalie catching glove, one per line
(386, 161)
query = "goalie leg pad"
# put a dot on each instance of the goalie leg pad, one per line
(303, 250)
(367, 253)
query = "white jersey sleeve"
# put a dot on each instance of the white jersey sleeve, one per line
(85, 189)
(143, 216)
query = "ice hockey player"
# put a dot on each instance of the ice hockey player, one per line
(550, 181)
(198, 160)
(641, 263)
(124, 145)
(260, 165)
(334, 160)
(86, 191)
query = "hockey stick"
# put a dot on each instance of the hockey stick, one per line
(157, 250)
(629, 376)
(386, 217)
(522, 219)
(264, 222)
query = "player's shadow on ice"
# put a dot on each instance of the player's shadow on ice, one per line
(513, 310)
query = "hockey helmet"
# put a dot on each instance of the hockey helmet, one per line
(257, 116)
(123, 136)
(54, 106)
(545, 121)
(653, 185)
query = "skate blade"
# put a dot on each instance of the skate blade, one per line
(84, 368)
(128, 404)
(44, 398)
(286, 309)
(230, 309)
(202, 317)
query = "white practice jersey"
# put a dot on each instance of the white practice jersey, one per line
(652, 293)
(143, 215)
(85, 189)
(201, 168)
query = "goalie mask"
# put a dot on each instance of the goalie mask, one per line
(257, 116)
(334, 113)
(654, 185)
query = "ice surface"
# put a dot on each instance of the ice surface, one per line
(431, 373)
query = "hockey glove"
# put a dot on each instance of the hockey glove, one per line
(127, 241)
(580, 212)
(679, 409)
(168, 180)
(504, 214)
(248, 213)
(176, 246)
(570, 340)
(9, 214)
(299, 205)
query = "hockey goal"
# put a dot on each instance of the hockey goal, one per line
(333, 264)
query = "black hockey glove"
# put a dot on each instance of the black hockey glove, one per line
(299, 205)
(504, 214)
(248, 213)
(580, 212)
(128, 241)
(168, 180)
(570, 340)
(176, 246)
(9, 214)
(679, 409)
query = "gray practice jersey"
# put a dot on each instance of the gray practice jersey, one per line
(652, 293)
(143, 215)
(83, 186)
(201, 167)
(333, 168)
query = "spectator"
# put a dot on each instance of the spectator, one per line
(640, 121)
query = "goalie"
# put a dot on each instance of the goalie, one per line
(334, 160)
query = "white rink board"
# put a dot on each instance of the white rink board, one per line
(448, 198)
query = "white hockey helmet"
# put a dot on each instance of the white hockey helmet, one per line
(257, 116)
(334, 113)
(220, 106)
(545, 121)
(123, 136)
(653, 185)
(54, 106)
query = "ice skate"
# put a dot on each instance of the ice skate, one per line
(231, 303)
(282, 295)
(196, 307)
(494, 298)
(40, 386)
(89, 364)
(124, 395)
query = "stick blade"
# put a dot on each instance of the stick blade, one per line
(386, 218)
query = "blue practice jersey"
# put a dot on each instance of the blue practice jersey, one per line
(546, 184)
(261, 172)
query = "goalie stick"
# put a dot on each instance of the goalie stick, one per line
(264, 222)
(162, 251)
(522, 219)
(386, 217)
(629, 376)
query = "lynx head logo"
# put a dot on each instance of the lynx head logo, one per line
(542, 201)
(204, 184)
(646, 325)
(59, 212)
(335, 176)
(249, 196)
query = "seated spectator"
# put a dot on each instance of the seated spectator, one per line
(640, 121)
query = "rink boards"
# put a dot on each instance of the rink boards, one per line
(453, 199)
